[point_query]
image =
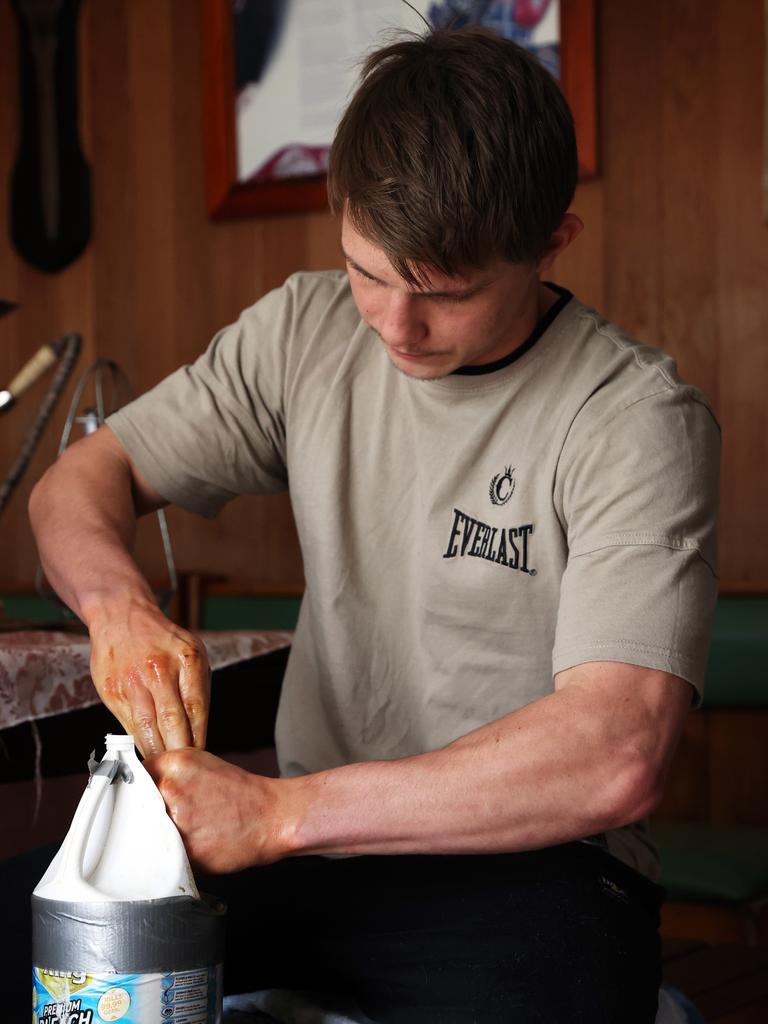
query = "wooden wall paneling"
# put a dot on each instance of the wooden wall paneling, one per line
(49, 305)
(8, 104)
(125, 141)
(681, 131)
(269, 552)
(285, 244)
(236, 267)
(580, 268)
(118, 333)
(687, 225)
(151, 55)
(193, 284)
(253, 256)
(323, 241)
(254, 537)
(577, 77)
(252, 541)
(194, 229)
(11, 347)
(10, 340)
(130, 321)
(739, 767)
(630, 93)
(219, 85)
(742, 244)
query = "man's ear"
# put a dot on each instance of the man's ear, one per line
(569, 229)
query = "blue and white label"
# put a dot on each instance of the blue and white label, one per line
(178, 997)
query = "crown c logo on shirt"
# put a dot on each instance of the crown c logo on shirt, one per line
(502, 486)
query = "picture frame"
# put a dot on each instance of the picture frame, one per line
(228, 198)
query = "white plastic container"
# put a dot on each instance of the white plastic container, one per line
(120, 932)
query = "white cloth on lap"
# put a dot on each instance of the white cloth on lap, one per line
(279, 1006)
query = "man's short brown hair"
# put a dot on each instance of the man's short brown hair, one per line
(456, 149)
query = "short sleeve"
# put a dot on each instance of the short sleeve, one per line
(638, 494)
(216, 429)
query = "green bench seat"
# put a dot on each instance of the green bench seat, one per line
(737, 672)
(219, 611)
(706, 863)
(246, 611)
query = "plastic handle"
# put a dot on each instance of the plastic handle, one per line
(80, 830)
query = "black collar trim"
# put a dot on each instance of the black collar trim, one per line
(530, 341)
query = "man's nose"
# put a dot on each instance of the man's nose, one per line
(402, 324)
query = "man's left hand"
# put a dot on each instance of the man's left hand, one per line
(228, 818)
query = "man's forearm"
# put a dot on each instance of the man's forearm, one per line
(150, 673)
(461, 799)
(83, 517)
(526, 781)
(557, 770)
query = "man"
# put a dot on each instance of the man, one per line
(506, 511)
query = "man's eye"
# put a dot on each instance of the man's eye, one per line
(364, 276)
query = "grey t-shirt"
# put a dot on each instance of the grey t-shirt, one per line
(463, 539)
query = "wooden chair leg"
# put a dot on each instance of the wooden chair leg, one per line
(187, 607)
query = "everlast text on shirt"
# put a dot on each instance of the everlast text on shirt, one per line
(508, 546)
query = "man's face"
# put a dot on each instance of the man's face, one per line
(431, 330)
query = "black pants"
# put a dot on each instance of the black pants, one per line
(556, 936)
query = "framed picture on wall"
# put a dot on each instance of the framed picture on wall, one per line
(277, 75)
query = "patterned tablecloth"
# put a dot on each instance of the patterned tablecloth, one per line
(46, 673)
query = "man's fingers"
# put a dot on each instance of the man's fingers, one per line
(170, 714)
(179, 685)
(195, 690)
(166, 767)
(144, 726)
(157, 684)
(172, 721)
(123, 715)
(115, 699)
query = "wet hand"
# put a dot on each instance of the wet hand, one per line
(152, 675)
(228, 818)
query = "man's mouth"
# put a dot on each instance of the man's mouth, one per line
(406, 354)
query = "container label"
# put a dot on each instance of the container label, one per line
(178, 997)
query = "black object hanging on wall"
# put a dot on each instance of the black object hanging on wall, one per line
(51, 183)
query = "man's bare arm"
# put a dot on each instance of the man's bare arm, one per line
(151, 674)
(589, 757)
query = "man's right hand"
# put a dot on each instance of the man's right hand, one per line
(152, 674)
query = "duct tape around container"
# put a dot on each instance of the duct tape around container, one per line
(119, 929)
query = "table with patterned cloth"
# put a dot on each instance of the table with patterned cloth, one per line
(46, 673)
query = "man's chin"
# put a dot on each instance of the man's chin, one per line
(428, 368)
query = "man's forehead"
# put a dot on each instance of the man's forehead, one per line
(367, 256)
(428, 279)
